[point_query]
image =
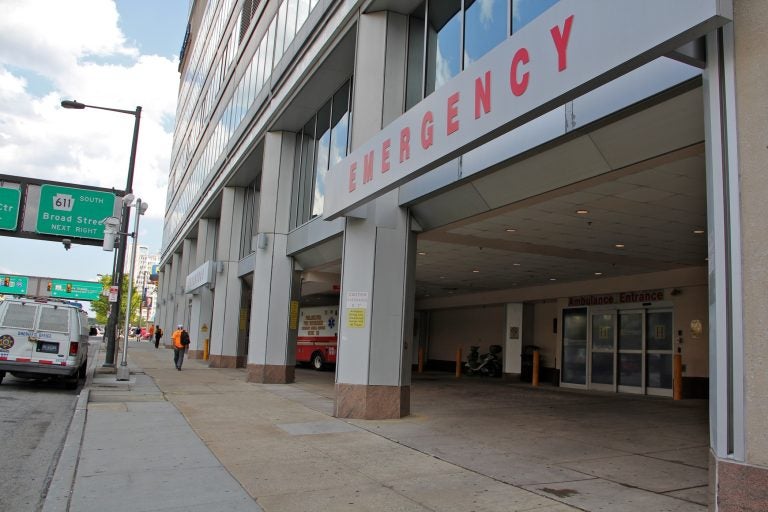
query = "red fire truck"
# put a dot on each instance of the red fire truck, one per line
(317, 337)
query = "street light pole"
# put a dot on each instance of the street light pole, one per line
(123, 372)
(118, 269)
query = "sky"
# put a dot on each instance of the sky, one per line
(118, 54)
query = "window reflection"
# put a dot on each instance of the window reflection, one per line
(321, 157)
(524, 11)
(485, 27)
(443, 42)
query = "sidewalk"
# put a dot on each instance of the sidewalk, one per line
(204, 439)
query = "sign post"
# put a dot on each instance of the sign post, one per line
(73, 212)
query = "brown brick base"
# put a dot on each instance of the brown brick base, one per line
(226, 361)
(271, 373)
(372, 402)
(737, 487)
(195, 354)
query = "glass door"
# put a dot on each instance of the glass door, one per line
(630, 361)
(602, 373)
(659, 352)
(574, 347)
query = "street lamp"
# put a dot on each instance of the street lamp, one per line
(122, 372)
(119, 262)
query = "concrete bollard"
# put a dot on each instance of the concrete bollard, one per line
(206, 349)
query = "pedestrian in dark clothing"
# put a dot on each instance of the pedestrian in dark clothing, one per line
(158, 335)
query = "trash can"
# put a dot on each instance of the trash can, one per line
(526, 363)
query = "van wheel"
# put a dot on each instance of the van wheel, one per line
(72, 382)
(317, 361)
(83, 371)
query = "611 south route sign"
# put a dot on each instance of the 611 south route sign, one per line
(73, 212)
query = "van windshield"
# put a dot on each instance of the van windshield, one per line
(54, 319)
(20, 316)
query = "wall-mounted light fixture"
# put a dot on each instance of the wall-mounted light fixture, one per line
(261, 241)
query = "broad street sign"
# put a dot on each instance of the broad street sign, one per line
(10, 198)
(73, 212)
(13, 285)
(83, 290)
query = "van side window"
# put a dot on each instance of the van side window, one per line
(20, 316)
(54, 319)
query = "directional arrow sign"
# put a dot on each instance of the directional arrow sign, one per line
(83, 290)
(13, 285)
(9, 208)
(73, 212)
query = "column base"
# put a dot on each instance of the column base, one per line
(195, 354)
(218, 361)
(364, 402)
(736, 486)
(270, 373)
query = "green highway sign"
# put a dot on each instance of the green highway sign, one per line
(10, 198)
(13, 285)
(73, 212)
(83, 290)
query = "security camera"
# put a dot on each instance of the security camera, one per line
(67, 243)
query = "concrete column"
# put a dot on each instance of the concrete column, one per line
(188, 255)
(276, 287)
(226, 300)
(164, 320)
(737, 121)
(202, 298)
(176, 296)
(376, 310)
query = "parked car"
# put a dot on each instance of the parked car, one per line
(43, 339)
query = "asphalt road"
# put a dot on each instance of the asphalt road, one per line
(34, 418)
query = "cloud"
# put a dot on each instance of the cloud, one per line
(52, 50)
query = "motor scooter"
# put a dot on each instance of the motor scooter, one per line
(487, 365)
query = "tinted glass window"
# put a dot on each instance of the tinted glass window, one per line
(524, 11)
(321, 158)
(485, 24)
(443, 42)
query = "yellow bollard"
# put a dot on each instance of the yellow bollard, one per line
(677, 377)
(206, 351)
(421, 359)
(458, 362)
(535, 377)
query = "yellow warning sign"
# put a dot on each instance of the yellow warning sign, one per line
(356, 318)
(294, 315)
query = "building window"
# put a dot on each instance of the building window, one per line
(322, 143)
(446, 36)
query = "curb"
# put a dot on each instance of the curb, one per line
(60, 490)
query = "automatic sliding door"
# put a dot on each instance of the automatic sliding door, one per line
(574, 347)
(630, 352)
(659, 352)
(603, 354)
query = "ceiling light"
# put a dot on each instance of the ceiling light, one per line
(442, 277)
(553, 279)
(422, 253)
(698, 231)
(598, 273)
(475, 271)
(510, 230)
(582, 212)
(619, 246)
(515, 264)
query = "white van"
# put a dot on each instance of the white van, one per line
(43, 338)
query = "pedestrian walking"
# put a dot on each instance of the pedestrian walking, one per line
(158, 335)
(180, 343)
